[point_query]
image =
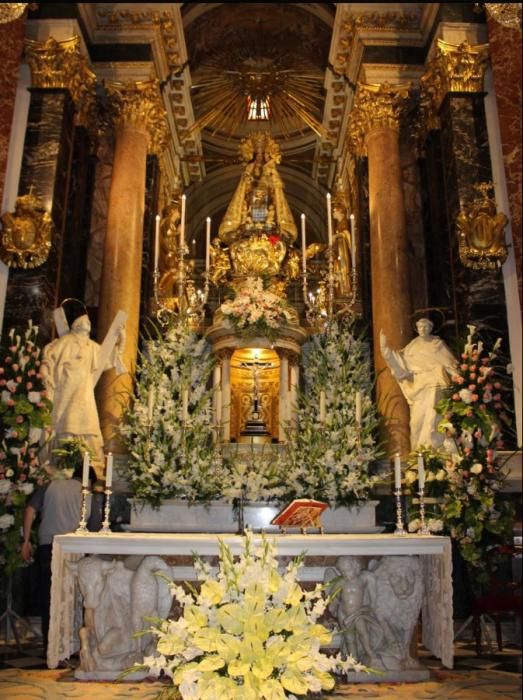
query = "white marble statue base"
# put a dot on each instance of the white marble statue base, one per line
(219, 517)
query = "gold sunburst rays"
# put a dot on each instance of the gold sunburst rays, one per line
(221, 92)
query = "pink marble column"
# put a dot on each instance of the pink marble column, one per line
(375, 125)
(136, 116)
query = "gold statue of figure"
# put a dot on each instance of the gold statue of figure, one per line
(342, 244)
(257, 232)
(169, 258)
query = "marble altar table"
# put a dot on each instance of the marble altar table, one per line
(434, 553)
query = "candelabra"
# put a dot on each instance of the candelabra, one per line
(423, 530)
(82, 525)
(106, 530)
(400, 530)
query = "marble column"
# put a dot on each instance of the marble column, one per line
(63, 91)
(138, 118)
(375, 127)
(283, 395)
(226, 395)
(453, 100)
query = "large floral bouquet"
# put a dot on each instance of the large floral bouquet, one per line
(168, 427)
(25, 414)
(467, 481)
(330, 457)
(255, 310)
(248, 633)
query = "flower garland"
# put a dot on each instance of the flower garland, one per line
(168, 425)
(468, 482)
(248, 633)
(25, 414)
(330, 459)
(256, 311)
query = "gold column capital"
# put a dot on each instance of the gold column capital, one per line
(59, 64)
(139, 105)
(452, 68)
(376, 106)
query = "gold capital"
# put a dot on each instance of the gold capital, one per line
(59, 64)
(139, 105)
(452, 68)
(376, 106)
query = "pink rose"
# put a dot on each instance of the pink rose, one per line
(481, 380)
(19, 379)
(19, 419)
(12, 348)
(464, 355)
(474, 397)
(472, 387)
(1, 370)
(483, 407)
(489, 387)
(464, 367)
(478, 434)
(465, 474)
(16, 367)
(470, 412)
(461, 380)
(10, 403)
(497, 397)
(22, 477)
(497, 385)
(14, 434)
(473, 368)
(467, 450)
(472, 375)
(29, 386)
(3, 382)
(455, 397)
(8, 360)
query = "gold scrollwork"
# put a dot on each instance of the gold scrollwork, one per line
(481, 232)
(452, 68)
(376, 106)
(59, 64)
(139, 104)
(26, 233)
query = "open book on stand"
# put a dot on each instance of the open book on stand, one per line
(301, 513)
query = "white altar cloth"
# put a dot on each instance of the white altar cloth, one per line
(434, 552)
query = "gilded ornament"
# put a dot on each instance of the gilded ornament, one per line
(59, 64)
(481, 232)
(508, 14)
(139, 105)
(256, 235)
(342, 254)
(376, 106)
(26, 233)
(452, 68)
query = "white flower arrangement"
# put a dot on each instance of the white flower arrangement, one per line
(168, 427)
(255, 310)
(249, 633)
(329, 458)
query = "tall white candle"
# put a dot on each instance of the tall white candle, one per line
(358, 408)
(353, 239)
(85, 472)
(182, 225)
(207, 242)
(421, 472)
(397, 471)
(322, 406)
(329, 220)
(185, 405)
(156, 242)
(150, 403)
(109, 471)
(303, 245)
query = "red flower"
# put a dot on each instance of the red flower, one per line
(273, 238)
